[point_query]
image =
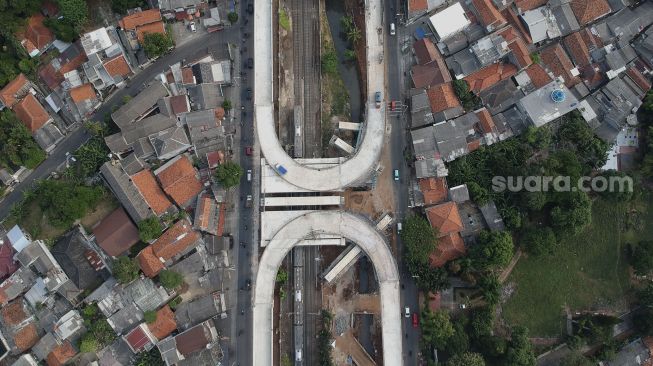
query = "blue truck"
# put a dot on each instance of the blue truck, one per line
(280, 169)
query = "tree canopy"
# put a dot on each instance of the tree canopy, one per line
(466, 359)
(63, 202)
(420, 240)
(493, 250)
(150, 229)
(156, 44)
(125, 269)
(436, 329)
(228, 174)
(75, 12)
(17, 147)
(170, 279)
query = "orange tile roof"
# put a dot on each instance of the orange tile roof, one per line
(587, 11)
(417, 5)
(525, 5)
(157, 27)
(187, 76)
(435, 190)
(131, 22)
(538, 76)
(179, 180)
(474, 145)
(73, 63)
(117, 66)
(442, 97)
(13, 91)
(165, 323)
(152, 193)
(149, 262)
(514, 21)
(445, 218)
(175, 240)
(61, 354)
(486, 121)
(590, 39)
(221, 219)
(449, 248)
(37, 33)
(558, 62)
(26, 338)
(205, 204)
(520, 52)
(639, 79)
(425, 51)
(490, 16)
(489, 75)
(14, 313)
(577, 48)
(31, 112)
(82, 93)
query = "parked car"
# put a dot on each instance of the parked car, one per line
(248, 284)
(250, 8)
(392, 29)
(248, 150)
(249, 175)
(396, 174)
(377, 99)
(192, 27)
(407, 312)
(248, 93)
(249, 63)
(415, 320)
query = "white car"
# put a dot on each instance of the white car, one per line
(407, 314)
(392, 29)
(192, 27)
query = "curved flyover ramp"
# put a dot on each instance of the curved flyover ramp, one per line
(358, 231)
(363, 163)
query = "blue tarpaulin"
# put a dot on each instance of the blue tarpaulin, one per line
(419, 33)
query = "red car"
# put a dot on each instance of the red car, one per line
(248, 151)
(415, 320)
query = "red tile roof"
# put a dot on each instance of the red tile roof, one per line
(82, 93)
(179, 104)
(116, 233)
(157, 27)
(474, 145)
(555, 58)
(425, 51)
(187, 76)
(117, 66)
(514, 21)
(7, 263)
(152, 193)
(173, 241)
(165, 323)
(37, 33)
(445, 218)
(137, 339)
(449, 248)
(14, 90)
(31, 113)
(26, 338)
(442, 97)
(638, 78)
(131, 22)
(14, 313)
(538, 76)
(486, 121)
(490, 16)
(524, 5)
(61, 354)
(435, 190)
(592, 76)
(587, 11)
(520, 52)
(179, 180)
(50, 76)
(590, 39)
(417, 5)
(577, 48)
(489, 75)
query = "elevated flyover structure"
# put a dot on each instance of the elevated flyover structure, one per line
(318, 177)
(355, 229)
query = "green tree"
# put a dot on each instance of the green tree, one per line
(156, 44)
(91, 156)
(330, 63)
(233, 17)
(282, 276)
(228, 174)
(150, 229)
(88, 344)
(149, 316)
(62, 29)
(572, 213)
(125, 269)
(490, 289)
(539, 240)
(535, 57)
(576, 359)
(150, 358)
(420, 240)
(538, 137)
(520, 351)
(479, 195)
(350, 54)
(63, 203)
(641, 257)
(617, 193)
(170, 279)
(74, 11)
(493, 250)
(226, 105)
(121, 6)
(436, 328)
(481, 322)
(466, 97)
(466, 359)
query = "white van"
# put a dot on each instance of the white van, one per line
(249, 175)
(392, 29)
(399, 227)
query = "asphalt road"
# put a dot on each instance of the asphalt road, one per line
(189, 51)
(397, 90)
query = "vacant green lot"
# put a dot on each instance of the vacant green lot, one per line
(587, 271)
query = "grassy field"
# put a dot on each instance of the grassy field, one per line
(588, 271)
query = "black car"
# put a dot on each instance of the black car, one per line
(248, 285)
(250, 63)
(248, 94)
(250, 8)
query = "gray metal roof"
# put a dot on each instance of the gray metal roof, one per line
(191, 313)
(540, 107)
(492, 217)
(459, 193)
(204, 96)
(513, 119)
(127, 193)
(463, 63)
(501, 96)
(47, 136)
(627, 23)
(169, 142)
(147, 127)
(566, 20)
(424, 142)
(139, 105)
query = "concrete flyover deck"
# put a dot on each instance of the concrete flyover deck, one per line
(353, 171)
(355, 229)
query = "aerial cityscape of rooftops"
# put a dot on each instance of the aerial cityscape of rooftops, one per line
(326, 182)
